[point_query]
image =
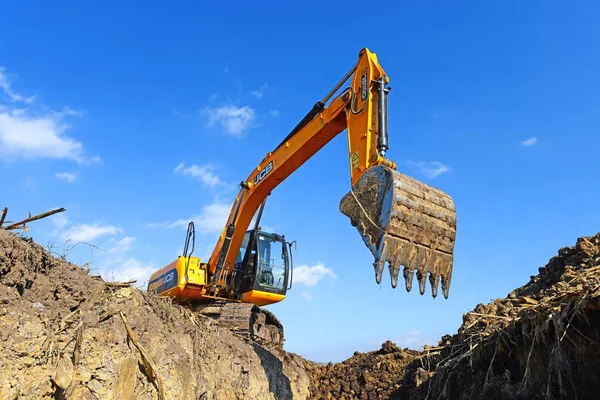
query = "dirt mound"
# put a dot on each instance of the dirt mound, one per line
(375, 375)
(541, 342)
(68, 335)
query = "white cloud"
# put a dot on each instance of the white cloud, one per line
(26, 134)
(120, 246)
(88, 233)
(260, 92)
(306, 296)
(28, 137)
(310, 276)
(201, 172)
(67, 176)
(114, 264)
(60, 220)
(12, 95)
(212, 218)
(234, 120)
(529, 142)
(430, 169)
(273, 113)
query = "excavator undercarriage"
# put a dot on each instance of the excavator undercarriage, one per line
(245, 319)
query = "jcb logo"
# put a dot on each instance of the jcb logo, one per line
(363, 83)
(169, 277)
(264, 172)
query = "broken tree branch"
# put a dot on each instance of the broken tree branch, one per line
(149, 366)
(120, 284)
(34, 218)
(3, 216)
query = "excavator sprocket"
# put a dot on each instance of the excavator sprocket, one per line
(404, 222)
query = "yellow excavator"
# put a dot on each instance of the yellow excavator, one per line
(404, 222)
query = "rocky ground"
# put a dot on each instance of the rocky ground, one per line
(65, 334)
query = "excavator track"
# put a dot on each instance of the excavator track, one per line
(245, 319)
(404, 222)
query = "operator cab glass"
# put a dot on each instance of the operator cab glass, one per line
(272, 256)
(268, 262)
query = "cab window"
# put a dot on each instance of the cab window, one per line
(272, 262)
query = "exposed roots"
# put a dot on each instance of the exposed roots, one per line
(541, 342)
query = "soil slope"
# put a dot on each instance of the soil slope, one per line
(68, 335)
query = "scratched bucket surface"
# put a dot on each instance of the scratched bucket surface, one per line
(404, 222)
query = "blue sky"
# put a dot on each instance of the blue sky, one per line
(140, 117)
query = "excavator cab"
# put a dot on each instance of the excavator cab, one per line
(263, 268)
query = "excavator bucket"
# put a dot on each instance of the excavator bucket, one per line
(404, 222)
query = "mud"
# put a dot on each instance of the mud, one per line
(68, 335)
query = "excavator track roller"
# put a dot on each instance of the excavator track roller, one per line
(404, 222)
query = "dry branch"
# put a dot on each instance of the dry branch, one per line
(149, 366)
(120, 284)
(4, 211)
(34, 218)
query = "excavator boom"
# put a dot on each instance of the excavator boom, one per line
(402, 221)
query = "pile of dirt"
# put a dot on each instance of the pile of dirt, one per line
(541, 342)
(368, 376)
(68, 335)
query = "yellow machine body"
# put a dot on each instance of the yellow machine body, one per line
(185, 278)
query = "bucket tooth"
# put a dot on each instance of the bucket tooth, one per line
(422, 278)
(404, 222)
(408, 278)
(435, 281)
(446, 286)
(394, 272)
(378, 265)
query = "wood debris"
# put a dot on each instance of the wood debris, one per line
(22, 224)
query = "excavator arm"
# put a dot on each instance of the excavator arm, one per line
(402, 221)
